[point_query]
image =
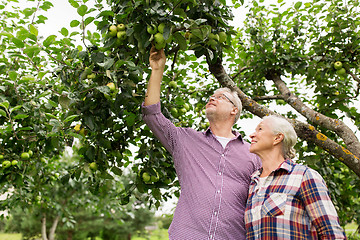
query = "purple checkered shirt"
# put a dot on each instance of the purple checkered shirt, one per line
(214, 181)
(294, 203)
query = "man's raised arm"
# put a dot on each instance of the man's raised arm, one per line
(157, 61)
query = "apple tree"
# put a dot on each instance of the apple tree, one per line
(282, 61)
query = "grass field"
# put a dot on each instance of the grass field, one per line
(10, 236)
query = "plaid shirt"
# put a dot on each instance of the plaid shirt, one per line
(293, 203)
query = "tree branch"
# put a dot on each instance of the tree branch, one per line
(304, 131)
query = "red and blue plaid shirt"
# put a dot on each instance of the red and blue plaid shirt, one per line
(293, 203)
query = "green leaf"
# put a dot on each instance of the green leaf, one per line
(21, 116)
(181, 40)
(5, 104)
(74, 23)
(74, 3)
(298, 5)
(15, 108)
(18, 43)
(3, 113)
(117, 171)
(88, 20)
(33, 30)
(49, 40)
(82, 10)
(71, 118)
(106, 13)
(64, 32)
(13, 75)
(50, 115)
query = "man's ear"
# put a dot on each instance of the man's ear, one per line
(234, 111)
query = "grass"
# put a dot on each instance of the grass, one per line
(10, 236)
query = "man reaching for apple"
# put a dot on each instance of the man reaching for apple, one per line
(213, 167)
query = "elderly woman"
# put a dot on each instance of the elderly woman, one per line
(286, 200)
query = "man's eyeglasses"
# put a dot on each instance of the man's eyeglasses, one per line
(221, 97)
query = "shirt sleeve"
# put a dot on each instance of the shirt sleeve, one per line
(318, 205)
(164, 130)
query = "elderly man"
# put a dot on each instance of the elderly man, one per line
(213, 167)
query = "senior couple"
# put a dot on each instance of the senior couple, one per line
(233, 190)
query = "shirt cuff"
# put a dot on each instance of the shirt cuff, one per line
(151, 109)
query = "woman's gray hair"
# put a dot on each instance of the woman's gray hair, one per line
(281, 125)
(235, 98)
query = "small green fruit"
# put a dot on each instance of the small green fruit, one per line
(6, 164)
(25, 155)
(1, 157)
(146, 177)
(222, 37)
(93, 166)
(111, 85)
(121, 35)
(159, 38)
(174, 111)
(30, 153)
(214, 36)
(14, 162)
(341, 72)
(121, 27)
(338, 65)
(187, 106)
(161, 27)
(112, 30)
(151, 29)
(172, 84)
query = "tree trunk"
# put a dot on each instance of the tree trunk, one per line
(69, 235)
(53, 228)
(129, 236)
(43, 227)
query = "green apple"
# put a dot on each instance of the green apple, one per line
(159, 46)
(93, 166)
(146, 177)
(338, 65)
(214, 36)
(121, 35)
(121, 27)
(30, 153)
(172, 84)
(6, 164)
(174, 111)
(1, 157)
(111, 85)
(187, 106)
(14, 162)
(183, 110)
(161, 27)
(212, 43)
(222, 37)
(159, 38)
(112, 30)
(25, 155)
(341, 72)
(151, 29)
(91, 76)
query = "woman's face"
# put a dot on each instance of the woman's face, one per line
(263, 138)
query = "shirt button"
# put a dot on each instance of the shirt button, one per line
(215, 213)
(222, 155)
(211, 236)
(218, 191)
(219, 173)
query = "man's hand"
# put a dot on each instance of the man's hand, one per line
(157, 59)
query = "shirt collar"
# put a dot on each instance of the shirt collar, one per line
(237, 134)
(287, 165)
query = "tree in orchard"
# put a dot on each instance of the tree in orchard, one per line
(293, 49)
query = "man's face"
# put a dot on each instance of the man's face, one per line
(219, 104)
